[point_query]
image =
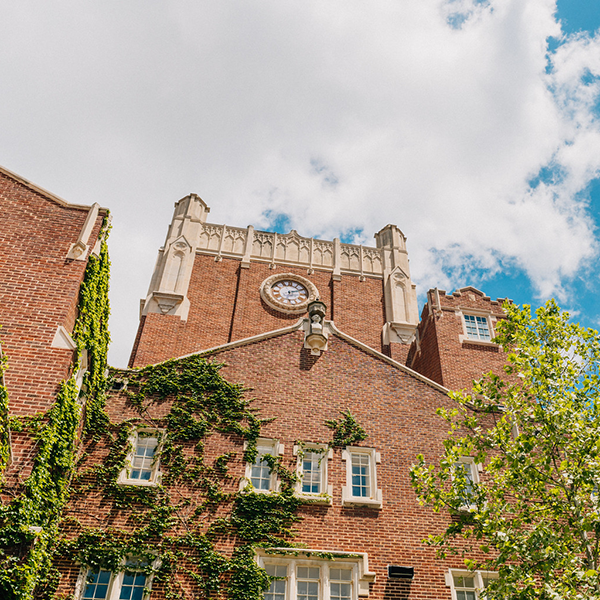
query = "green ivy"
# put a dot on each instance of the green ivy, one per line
(91, 334)
(346, 431)
(29, 524)
(4, 418)
(182, 533)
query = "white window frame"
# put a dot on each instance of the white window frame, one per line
(116, 580)
(326, 454)
(272, 447)
(156, 475)
(479, 577)
(491, 320)
(374, 499)
(357, 562)
(475, 469)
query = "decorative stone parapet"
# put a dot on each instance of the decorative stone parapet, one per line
(289, 249)
(190, 234)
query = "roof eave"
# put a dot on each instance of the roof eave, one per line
(49, 195)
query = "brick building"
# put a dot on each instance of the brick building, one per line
(45, 246)
(243, 417)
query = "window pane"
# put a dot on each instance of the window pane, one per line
(482, 328)
(307, 585)
(308, 590)
(133, 586)
(143, 457)
(276, 590)
(340, 574)
(340, 586)
(96, 584)
(260, 475)
(311, 473)
(464, 586)
(361, 485)
(341, 591)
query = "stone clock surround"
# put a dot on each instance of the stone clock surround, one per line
(267, 295)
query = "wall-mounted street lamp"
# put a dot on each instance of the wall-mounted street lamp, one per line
(316, 333)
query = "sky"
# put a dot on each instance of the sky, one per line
(473, 125)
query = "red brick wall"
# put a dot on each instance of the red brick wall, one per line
(301, 392)
(441, 355)
(225, 305)
(424, 357)
(359, 309)
(38, 291)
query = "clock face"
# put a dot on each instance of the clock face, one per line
(289, 292)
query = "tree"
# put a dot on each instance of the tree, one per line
(534, 514)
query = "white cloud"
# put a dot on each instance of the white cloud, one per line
(343, 115)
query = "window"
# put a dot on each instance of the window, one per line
(466, 477)
(100, 584)
(308, 581)
(467, 585)
(259, 474)
(464, 587)
(276, 590)
(361, 477)
(302, 577)
(340, 584)
(477, 328)
(141, 467)
(312, 472)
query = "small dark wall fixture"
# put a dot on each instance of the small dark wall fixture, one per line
(398, 572)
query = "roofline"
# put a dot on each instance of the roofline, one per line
(46, 193)
(295, 327)
(391, 361)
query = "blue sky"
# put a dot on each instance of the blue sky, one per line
(576, 16)
(579, 15)
(473, 125)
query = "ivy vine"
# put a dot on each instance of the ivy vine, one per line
(346, 431)
(4, 418)
(91, 334)
(176, 533)
(29, 523)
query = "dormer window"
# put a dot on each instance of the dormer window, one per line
(477, 328)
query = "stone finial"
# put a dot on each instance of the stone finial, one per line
(401, 310)
(167, 294)
(78, 250)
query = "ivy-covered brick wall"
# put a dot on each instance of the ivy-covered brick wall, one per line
(39, 291)
(42, 407)
(204, 529)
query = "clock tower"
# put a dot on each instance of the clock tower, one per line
(215, 284)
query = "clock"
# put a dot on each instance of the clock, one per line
(288, 293)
